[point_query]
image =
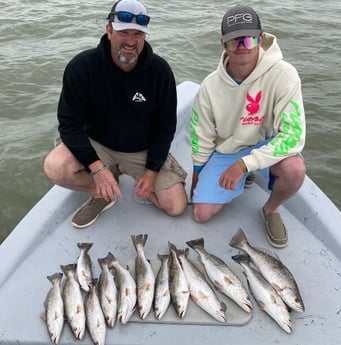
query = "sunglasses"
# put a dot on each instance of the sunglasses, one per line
(249, 42)
(128, 17)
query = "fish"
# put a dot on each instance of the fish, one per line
(265, 295)
(107, 291)
(221, 276)
(73, 301)
(84, 269)
(201, 292)
(162, 295)
(144, 275)
(273, 270)
(95, 320)
(54, 308)
(178, 286)
(126, 291)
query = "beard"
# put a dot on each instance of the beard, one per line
(127, 59)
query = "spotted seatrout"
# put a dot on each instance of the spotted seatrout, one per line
(94, 316)
(266, 297)
(107, 291)
(84, 269)
(273, 270)
(178, 285)
(162, 294)
(54, 308)
(221, 276)
(73, 301)
(200, 291)
(145, 279)
(127, 291)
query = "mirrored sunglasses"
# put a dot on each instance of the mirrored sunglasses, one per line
(249, 42)
(128, 17)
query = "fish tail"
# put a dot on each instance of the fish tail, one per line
(241, 259)
(56, 276)
(85, 246)
(239, 240)
(163, 257)
(197, 243)
(139, 240)
(172, 247)
(67, 268)
(111, 260)
(182, 252)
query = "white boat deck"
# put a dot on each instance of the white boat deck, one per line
(45, 239)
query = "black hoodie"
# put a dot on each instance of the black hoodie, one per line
(124, 111)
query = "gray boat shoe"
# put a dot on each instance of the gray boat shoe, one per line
(249, 182)
(90, 211)
(276, 232)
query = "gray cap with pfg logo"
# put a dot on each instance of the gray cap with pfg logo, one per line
(240, 21)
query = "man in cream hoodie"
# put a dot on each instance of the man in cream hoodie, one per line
(248, 115)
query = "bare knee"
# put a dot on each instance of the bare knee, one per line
(173, 200)
(202, 213)
(291, 170)
(59, 164)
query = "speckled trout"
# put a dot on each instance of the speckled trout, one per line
(265, 295)
(107, 291)
(221, 276)
(94, 315)
(54, 308)
(273, 270)
(84, 269)
(200, 291)
(162, 294)
(144, 276)
(127, 291)
(73, 301)
(178, 285)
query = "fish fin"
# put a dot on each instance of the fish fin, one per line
(261, 305)
(227, 280)
(276, 287)
(202, 295)
(217, 285)
(241, 258)
(139, 239)
(223, 306)
(84, 245)
(163, 257)
(197, 243)
(239, 240)
(79, 308)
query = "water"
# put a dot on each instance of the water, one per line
(39, 37)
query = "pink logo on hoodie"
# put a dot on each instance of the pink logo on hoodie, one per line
(253, 118)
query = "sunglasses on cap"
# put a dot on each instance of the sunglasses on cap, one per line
(249, 42)
(128, 17)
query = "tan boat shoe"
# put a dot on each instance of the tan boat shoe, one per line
(90, 211)
(276, 232)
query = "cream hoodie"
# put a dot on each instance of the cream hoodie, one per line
(227, 117)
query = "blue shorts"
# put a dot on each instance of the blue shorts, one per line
(208, 190)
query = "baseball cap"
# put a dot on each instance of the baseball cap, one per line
(240, 21)
(132, 7)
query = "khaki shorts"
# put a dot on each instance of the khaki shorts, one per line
(134, 165)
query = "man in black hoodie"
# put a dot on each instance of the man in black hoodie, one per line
(117, 114)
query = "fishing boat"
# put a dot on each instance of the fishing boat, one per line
(45, 239)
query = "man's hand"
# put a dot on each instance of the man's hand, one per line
(195, 178)
(105, 182)
(145, 184)
(231, 176)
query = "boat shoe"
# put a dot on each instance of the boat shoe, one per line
(249, 180)
(276, 232)
(90, 211)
